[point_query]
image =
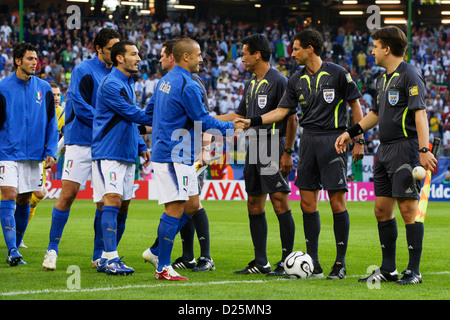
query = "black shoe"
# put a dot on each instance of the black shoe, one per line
(379, 275)
(318, 271)
(254, 268)
(338, 271)
(278, 271)
(409, 277)
(180, 263)
(204, 264)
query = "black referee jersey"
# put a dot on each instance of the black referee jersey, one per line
(398, 94)
(322, 97)
(263, 96)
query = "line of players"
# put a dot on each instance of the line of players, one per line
(102, 135)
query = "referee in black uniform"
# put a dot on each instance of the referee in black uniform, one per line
(401, 115)
(266, 169)
(322, 90)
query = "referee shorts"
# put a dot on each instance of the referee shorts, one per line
(392, 174)
(262, 174)
(319, 165)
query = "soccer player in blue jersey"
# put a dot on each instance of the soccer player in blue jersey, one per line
(115, 147)
(80, 106)
(28, 136)
(175, 106)
(199, 222)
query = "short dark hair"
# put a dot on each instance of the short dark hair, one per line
(54, 85)
(20, 50)
(104, 36)
(169, 46)
(119, 48)
(311, 38)
(258, 42)
(392, 37)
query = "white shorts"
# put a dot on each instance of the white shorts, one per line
(77, 164)
(111, 176)
(25, 176)
(174, 181)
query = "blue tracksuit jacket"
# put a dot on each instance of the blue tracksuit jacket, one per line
(28, 127)
(115, 135)
(81, 101)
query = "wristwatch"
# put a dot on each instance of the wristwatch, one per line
(360, 141)
(424, 150)
(288, 150)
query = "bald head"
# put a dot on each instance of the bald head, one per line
(187, 54)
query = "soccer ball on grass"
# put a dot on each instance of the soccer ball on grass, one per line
(298, 265)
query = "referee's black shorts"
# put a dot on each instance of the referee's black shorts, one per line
(262, 173)
(319, 165)
(392, 174)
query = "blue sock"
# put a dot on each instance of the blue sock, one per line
(167, 231)
(121, 219)
(185, 218)
(21, 215)
(8, 223)
(109, 227)
(98, 236)
(59, 219)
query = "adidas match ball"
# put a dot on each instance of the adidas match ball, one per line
(298, 265)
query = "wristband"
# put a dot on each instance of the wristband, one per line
(256, 121)
(355, 130)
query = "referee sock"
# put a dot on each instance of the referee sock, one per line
(287, 233)
(414, 237)
(311, 228)
(121, 219)
(202, 227)
(387, 231)
(8, 223)
(59, 220)
(341, 227)
(187, 239)
(109, 227)
(167, 231)
(21, 215)
(99, 246)
(258, 231)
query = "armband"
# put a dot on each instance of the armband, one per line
(256, 121)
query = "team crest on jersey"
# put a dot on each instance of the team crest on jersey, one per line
(38, 95)
(185, 180)
(112, 176)
(262, 100)
(328, 95)
(2, 170)
(393, 97)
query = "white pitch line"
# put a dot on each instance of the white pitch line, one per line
(146, 286)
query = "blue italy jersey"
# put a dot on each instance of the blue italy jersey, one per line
(176, 108)
(28, 128)
(81, 100)
(115, 135)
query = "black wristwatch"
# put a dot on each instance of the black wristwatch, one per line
(424, 150)
(288, 150)
(360, 141)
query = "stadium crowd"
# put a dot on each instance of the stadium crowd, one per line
(61, 49)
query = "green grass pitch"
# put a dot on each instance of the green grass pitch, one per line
(231, 250)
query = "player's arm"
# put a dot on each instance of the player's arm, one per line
(286, 163)
(427, 159)
(83, 85)
(116, 98)
(358, 149)
(366, 123)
